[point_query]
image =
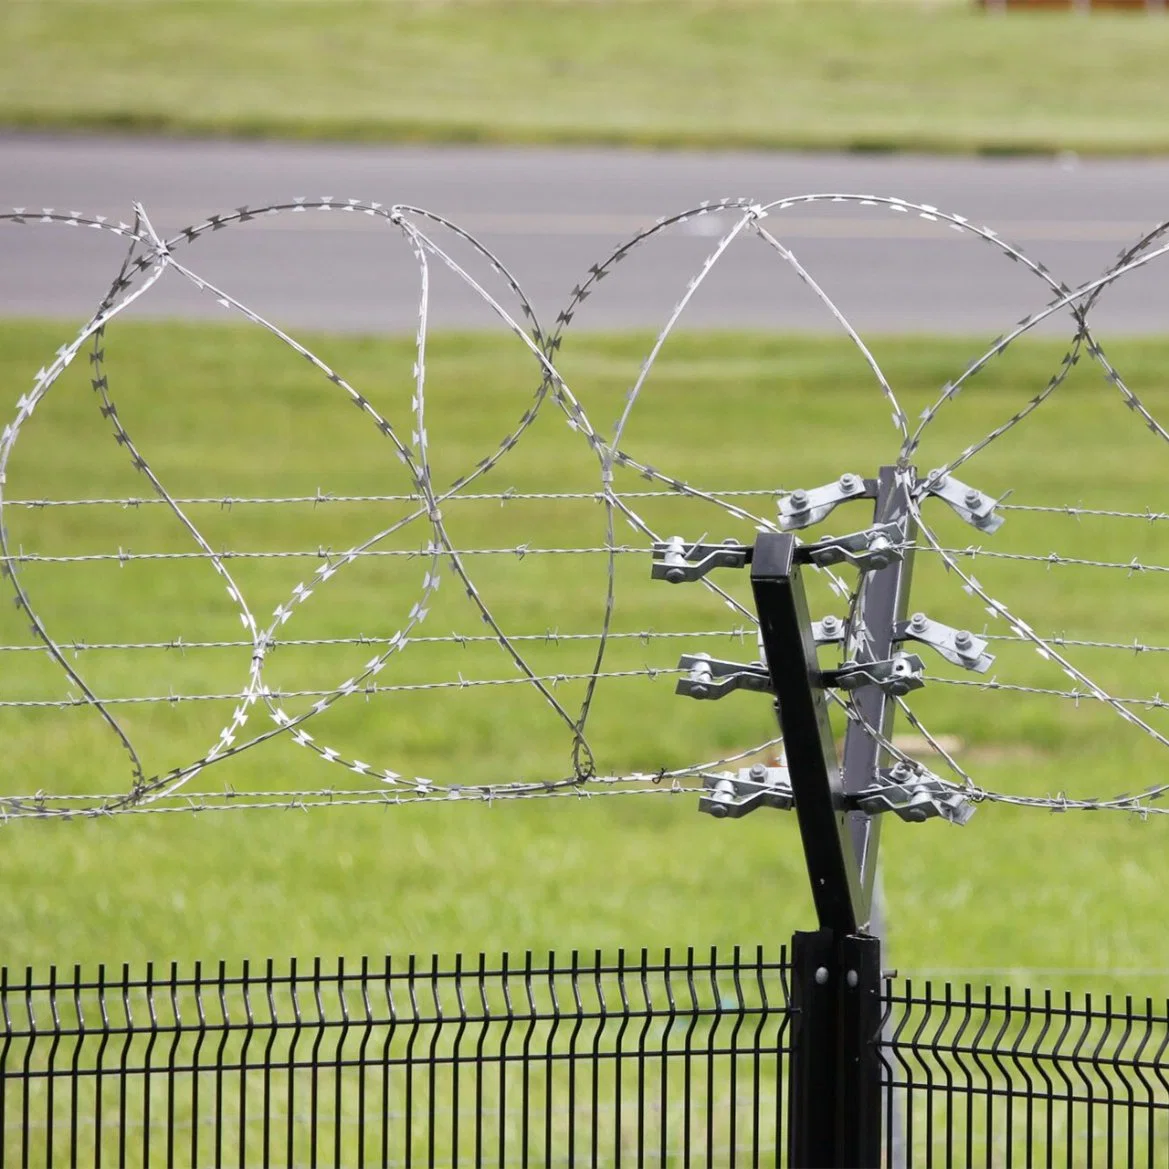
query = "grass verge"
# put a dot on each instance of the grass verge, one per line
(841, 75)
(224, 412)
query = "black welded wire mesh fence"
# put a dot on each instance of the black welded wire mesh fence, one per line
(667, 1060)
(672, 1060)
(1002, 1077)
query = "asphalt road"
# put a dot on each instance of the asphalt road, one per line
(550, 214)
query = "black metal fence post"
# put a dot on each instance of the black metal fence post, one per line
(835, 1108)
(834, 1102)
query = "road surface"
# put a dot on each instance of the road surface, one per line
(550, 214)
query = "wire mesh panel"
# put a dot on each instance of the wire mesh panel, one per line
(671, 1060)
(998, 1077)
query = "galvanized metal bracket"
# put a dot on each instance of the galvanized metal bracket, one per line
(896, 675)
(801, 509)
(974, 506)
(676, 561)
(874, 548)
(829, 631)
(733, 795)
(914, 796)
(958, 646)
(712, 679)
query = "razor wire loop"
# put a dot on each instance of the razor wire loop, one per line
(147, 259)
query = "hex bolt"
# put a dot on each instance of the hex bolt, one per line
(973, 497)
(830, 625)
(963, 639)
(675, 575)
(799, 500)
(852, 978)
(758, 771)
(821, 975)
(848, 482)
(937, 477)
(919, 621)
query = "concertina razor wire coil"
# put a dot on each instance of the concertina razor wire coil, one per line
(149, 256)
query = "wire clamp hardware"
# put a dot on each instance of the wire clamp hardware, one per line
(974, 506)
(829, 631)
(734, 795)
(801, 509)
(958, 646)
(914, 796)
(896, 675)
(711, 678)
(676, 561)
(874, 548)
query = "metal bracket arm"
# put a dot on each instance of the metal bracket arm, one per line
(958, 646)
(896, 675)
(974, 506)
(875, 547)
(801, 509)
(675, 561)
(713, 679)
(913, 796)
(735, 795)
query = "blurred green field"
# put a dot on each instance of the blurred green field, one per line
(227, 412)
(818, 74)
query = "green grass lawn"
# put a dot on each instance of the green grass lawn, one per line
(228, 412)
(839, 75)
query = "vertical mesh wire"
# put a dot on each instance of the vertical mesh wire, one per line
(670, 1059)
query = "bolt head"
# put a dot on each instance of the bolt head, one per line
(821, 975)
(848, 482)
(919, 621)
(963, 639)
(719, 811)
(852, 978)
(799, 499)
(675, 575)
(758, 771)
(698, 691)
(973, 498)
